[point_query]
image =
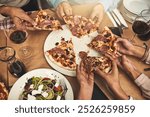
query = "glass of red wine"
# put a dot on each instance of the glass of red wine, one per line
(141, 25)
(15, 66)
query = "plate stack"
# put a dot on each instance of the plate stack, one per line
(132, 8)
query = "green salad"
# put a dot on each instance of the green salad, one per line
(38, 88)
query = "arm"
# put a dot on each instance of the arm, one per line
(127, 48)
(112, 80)
(140, 79)
(86, 82)
(17, 14)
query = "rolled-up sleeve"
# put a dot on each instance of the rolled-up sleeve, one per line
(147, 60)
(55, 3)
(143, 82)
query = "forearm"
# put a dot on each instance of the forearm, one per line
(118, 92)
(85, 93)
(6, 10)
(138, 52)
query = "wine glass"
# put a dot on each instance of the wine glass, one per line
(18, 37)
(141, 25)
(15, 66)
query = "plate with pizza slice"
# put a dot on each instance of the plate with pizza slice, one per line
(61, 50)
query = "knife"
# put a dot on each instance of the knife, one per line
(120, 29)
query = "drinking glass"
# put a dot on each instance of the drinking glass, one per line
(15, 66)
(141, 25)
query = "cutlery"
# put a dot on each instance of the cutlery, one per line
(147, 69)
(121, 24)
(120, 28)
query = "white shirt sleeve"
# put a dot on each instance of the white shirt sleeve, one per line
(143, 82)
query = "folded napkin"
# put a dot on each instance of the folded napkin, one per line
(117, 12)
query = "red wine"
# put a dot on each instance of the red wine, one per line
(18, 36)
(142, 29)
(17, 68)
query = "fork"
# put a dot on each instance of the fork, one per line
(121, 24)
(120, 28)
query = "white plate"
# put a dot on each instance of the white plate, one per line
(18, 87)
(136, 6)
(80, 44)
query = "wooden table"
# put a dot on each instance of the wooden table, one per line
(36, 40)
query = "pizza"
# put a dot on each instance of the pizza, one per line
(104, 42)
(46, 22)
(90, 62)
(63, 54)
(3, 92)
(80, 26)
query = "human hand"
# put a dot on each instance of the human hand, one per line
(86, 82)
(112, 80)
(64, 8)
(129, 68)
(97, 13)
(19, 16)
(127, 48)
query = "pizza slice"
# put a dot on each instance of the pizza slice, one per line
(80, 26)
(46, 22)
(104, 42)
(3, 92)
(103, 63)
(63, 54)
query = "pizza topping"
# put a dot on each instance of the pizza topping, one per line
(64, 54)
(104, 42)
(79, 25)
(46, 22)
(103, 63)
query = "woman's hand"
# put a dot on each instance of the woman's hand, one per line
(112, 80)
(64, 8)
(86, 82)
(97, 13)
(127, 48)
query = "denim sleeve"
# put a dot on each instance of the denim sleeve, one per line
(55, 3)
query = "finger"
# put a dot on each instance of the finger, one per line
(25, 17)
(61, 10)
(93, 15)
(58, 13)
(82, 67)
(68, 11)
(100, 73)
(18, 23)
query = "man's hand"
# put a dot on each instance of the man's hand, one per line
(63, 8)
(97, 13)
(112, 80)
(129, 68)
(86, 82)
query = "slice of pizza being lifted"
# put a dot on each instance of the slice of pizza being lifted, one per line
(104, 42)
(80, 26)
(46, 22)
(63, 54)
(90, 62)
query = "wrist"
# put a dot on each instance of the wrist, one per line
(135, 74)
(118, 92)
(138, 52)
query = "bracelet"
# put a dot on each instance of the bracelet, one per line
(145, 53)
